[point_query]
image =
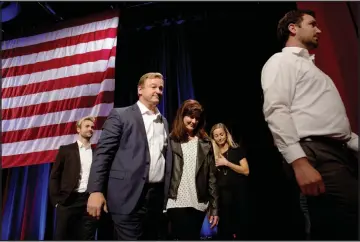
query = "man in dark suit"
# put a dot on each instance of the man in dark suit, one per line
(133, 162)
(68, 185)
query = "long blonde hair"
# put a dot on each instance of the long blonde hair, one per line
(229, 138)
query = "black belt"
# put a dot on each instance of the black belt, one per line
(79, 194)
(154, 185)
(323, 139)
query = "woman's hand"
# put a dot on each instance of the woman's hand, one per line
(221, 161)
(213, 220)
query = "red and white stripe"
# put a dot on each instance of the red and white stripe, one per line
(51, 80)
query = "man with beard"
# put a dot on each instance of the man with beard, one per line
(310, 127)
(68, 186)
(132, 165)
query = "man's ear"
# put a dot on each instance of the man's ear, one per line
(292, 28)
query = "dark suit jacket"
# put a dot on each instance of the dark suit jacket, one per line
(65, 173)
(122, 160)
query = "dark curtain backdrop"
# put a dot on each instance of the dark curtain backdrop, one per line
(25, 203)
(163, 50)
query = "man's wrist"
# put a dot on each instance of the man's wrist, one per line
(299, 162)
(94, 192)
(292, 152)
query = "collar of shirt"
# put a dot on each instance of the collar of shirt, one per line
(81, 145)
(299, 51)
(145, 110)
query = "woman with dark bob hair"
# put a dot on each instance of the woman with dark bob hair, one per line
(193, 189)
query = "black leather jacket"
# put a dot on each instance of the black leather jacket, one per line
(205, 174)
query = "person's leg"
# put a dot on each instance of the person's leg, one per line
(186, 223)
(89, 224)
(69, 216)
(240, 207)
(128, 227)
(179, 223)
(305, 210)
(334, 214)
(144, 222)
(195, 221)
(226, 214)
(105, 227)
(153, 224)
(293, 220)
(61, 224)
(81, 225)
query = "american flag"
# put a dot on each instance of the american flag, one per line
(51, 80)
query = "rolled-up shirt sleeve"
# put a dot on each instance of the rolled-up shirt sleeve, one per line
(278, 80)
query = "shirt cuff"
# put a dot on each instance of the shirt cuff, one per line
(292, 152)
(353, 144)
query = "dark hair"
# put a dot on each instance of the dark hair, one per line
(292, 17)
(188, 108)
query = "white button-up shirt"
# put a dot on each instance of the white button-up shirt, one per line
(156, 137)
(85, 161)
(300, 101)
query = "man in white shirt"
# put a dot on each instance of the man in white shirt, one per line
(68, 186)
(310, 128)
(132, 163)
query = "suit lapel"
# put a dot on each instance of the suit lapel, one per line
(77, 161)
(141, 125)
(166, 126)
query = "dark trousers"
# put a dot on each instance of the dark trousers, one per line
(105, 229)
(185, 223)
(72, 220)
(234, 210)
(145, 222)
(334, 214)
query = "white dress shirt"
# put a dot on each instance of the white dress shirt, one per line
(300, 101)
(85, 160)
(156, 137)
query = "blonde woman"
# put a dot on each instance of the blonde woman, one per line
(232, 185)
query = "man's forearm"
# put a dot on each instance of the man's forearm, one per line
(285, 134)
(292, 152)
